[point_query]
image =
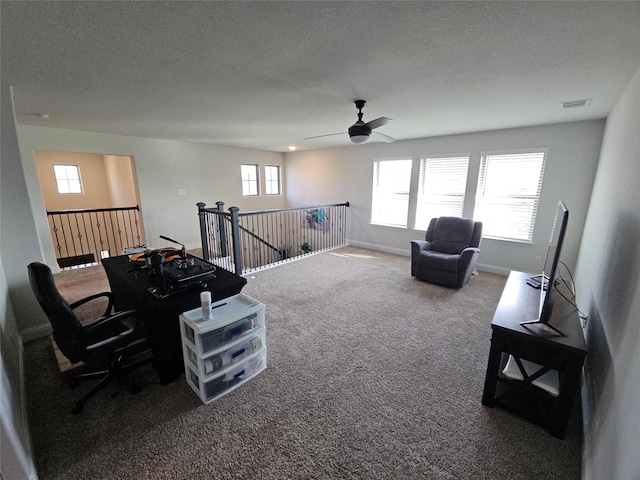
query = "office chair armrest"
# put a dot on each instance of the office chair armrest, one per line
(107, 322)
(95, 296)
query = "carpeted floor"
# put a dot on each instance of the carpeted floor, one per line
(371, 375)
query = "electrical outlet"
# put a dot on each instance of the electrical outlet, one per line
(584, 317)
(537, 260)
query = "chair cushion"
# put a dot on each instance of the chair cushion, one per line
(438, 261)
(452, 234)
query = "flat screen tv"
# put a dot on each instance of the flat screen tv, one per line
(549, 274)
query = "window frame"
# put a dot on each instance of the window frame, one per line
(271, 182)
(376, 216)
(66, 180)
(510, 201)
(250, 183)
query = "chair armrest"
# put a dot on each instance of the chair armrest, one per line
(107, 322)
(416, 247)
(419, 245)
(467, 255)
(95, 296)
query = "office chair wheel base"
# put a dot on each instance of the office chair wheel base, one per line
(77, 409)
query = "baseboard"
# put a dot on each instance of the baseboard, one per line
(483, 267)
(380, 248)
(36, 332)
(407, 253)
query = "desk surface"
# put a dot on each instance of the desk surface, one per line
(130, 283)
(520, 303)
(129, 286)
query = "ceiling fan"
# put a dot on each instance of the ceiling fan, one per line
(361, 132)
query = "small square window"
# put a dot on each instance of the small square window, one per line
(249, 175)
(272, 179)
(68, 179)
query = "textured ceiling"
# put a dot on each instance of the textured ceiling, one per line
(266, 75)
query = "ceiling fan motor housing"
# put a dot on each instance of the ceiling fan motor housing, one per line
(359, 133)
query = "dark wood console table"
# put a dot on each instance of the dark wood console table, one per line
(129, 286)
(537, 344)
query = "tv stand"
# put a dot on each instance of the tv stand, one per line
(565, 354)
(544, 324)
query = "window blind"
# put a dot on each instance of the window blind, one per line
(441, 189)
(509, 188)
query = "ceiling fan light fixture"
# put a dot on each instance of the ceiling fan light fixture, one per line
(359, 138)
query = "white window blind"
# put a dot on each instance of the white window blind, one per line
(441, 190)
(68, 178)
(390, 194)
(249, 175)
(508, 193)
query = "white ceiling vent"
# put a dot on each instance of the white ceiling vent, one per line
(576, 103)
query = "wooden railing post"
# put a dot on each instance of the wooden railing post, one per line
(203, 231)
(235, 236)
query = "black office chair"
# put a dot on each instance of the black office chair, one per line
(114, 343)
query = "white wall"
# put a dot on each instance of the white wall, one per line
(15, 297)
(345, 174)
(206, 173)
(608, 285)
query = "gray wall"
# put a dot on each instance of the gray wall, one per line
(346, 174)
(608, 286)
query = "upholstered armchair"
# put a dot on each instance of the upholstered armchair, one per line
(448, 253)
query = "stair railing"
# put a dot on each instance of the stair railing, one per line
(85, 237)
(242, 242)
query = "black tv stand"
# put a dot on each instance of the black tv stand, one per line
(540, 322)
(565, 354)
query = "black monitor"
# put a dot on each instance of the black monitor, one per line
(550, 269)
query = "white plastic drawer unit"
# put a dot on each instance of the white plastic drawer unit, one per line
(222, 353)
(229, 353)
(226, 380)
(231, 318)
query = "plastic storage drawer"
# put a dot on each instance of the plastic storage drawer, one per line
(212, 387)
(229, 353)
(231, 318)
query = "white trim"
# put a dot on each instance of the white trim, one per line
(36, 332)
(380, 248)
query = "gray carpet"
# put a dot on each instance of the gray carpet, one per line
(371, 375)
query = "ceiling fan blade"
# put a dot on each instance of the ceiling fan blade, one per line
(327, 135)
(378, 122)
(382, 137)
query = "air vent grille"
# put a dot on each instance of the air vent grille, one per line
(576, 103)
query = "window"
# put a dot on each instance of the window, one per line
(68, 178)
(508, 192)
(272, 179)
(390, 196)
(249, 175)
(441, 189)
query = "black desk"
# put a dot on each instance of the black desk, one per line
(129, 287)
(538, 344)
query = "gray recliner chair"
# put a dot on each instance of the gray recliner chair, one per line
(448, 253)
